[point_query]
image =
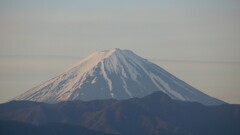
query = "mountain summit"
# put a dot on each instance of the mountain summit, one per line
(118, 74)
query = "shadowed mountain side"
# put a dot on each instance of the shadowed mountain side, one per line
(19, 128)
(152, 115)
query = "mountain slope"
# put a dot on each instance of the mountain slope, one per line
(19, 128)
(156, 114)
(118, 74)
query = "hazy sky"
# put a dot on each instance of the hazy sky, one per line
(196, 40)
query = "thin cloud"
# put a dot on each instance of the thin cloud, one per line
(195, 61)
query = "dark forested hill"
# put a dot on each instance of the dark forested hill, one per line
(156, 114)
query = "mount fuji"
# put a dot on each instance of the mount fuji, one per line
(118, 74)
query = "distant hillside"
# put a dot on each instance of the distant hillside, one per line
(19, 128)
(156, 114)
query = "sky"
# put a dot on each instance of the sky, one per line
(196, 40)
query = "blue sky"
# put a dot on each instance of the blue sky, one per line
(196, 40)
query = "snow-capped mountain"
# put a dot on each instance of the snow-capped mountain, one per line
(118, 74)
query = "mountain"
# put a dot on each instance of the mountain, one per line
(118, 74)
(155, 114)
(19, 128)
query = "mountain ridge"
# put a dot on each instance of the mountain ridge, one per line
(155, 114)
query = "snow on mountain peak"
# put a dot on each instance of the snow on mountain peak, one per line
(115, 73)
